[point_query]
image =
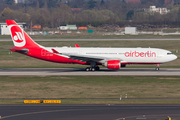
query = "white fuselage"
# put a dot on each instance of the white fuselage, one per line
(126, 55)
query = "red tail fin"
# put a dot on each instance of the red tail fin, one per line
(19, 37)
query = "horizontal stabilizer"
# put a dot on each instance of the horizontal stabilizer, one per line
(25, 51)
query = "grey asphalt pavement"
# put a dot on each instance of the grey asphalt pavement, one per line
(88, 112)
(82, 72)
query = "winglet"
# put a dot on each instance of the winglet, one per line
(76, 45)
(55, 51)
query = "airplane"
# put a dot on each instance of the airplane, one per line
(112, 58)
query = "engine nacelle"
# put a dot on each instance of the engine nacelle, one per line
(113, 64)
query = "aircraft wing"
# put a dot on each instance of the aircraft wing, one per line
(87, 58)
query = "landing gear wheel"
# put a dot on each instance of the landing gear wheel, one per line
(87, 69)
(157, 69)
(93, 69)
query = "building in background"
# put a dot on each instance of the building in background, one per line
(153, 9)
(130, 30)
(4, 29)
(72, 27)
(63, 27)
(68, 27)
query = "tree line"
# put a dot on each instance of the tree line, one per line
(52, 13)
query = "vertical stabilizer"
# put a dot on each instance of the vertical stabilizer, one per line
(19, 36)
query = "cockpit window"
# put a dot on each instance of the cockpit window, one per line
(169, 53)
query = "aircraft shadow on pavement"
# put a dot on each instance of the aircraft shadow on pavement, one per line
(54, 70)
(102, 70)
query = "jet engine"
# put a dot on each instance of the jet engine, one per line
(113, 64)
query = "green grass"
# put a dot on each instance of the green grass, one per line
(15, 60)
(90, 89)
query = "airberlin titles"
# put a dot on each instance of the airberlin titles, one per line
(140, 54)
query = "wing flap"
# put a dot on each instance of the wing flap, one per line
(86, 58)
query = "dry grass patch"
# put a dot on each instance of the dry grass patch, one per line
(168, 78)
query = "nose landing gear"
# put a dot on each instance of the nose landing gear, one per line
(157, 67)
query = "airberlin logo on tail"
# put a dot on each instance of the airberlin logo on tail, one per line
(17, 36)
(140, 54)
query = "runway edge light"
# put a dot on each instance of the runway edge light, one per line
(51, 101)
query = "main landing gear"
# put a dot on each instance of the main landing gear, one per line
(157, 67)
(93, 67)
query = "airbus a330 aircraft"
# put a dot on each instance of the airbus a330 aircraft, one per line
(112, 58)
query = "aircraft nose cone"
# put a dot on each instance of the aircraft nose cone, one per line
(175, 57)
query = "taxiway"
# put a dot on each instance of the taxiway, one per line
(88, 112)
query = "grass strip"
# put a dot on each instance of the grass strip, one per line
(93, 89)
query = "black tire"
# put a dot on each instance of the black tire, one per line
(87, 69)
(93, 69)
(157, 69)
